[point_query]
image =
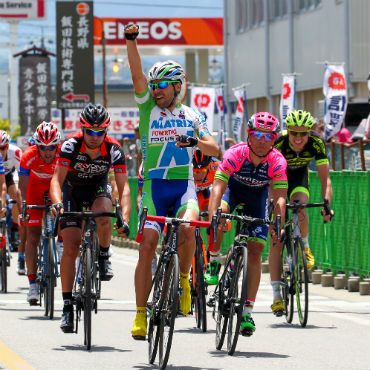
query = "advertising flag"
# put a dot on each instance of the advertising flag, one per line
(240, 95)
(287, 100)
(203, 99)
(220, 103)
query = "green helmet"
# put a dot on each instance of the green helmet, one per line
(299, 118)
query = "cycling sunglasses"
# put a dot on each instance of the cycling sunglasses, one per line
(4, 147)
(44, 148)
(299, 133)
(200, 170)
(161, 84)
(262, 135)
(95, 132)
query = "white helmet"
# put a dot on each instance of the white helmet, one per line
(4, 138)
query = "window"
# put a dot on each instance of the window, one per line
(305, 5)
(278, 9)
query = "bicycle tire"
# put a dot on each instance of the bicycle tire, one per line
(199, 295)
(87, 297)
(237, 297)
(169, 309)
(289, 276)
(154, 307)
(95, 272)
(49, 280)
(3, 272)
(301, 281)
(285, 282)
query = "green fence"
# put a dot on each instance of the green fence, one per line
(341, 245)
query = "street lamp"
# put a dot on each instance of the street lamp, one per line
(103, 43)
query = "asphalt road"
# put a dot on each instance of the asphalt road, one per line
(337, 335)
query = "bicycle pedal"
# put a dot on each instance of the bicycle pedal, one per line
(34, 303)
(211, 302)
(278, 313)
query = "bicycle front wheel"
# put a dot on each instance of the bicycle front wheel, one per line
(3, 270)
(237, 297)
(301, 282)
(87, 296)
(199, 292)
(169, 309)
(49, 280)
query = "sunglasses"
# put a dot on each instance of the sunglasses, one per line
(299, 133)
(95, 132)
(161, 84)
(4, 147)
(200, 170)
(45, 148)
(262, 135)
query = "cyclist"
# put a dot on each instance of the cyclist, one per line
(11, 158)
(81, 175)
(244, 176)
(36, 170)
(299, 146)
(168, 132)
(204, 169)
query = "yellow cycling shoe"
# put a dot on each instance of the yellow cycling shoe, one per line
(138, 330)
(310, 259)
(185, 298)
(278, 307)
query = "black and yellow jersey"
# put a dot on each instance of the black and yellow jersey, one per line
(314, 148)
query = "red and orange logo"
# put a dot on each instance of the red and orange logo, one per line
(82, 8)
(286, 91)
(337, 81)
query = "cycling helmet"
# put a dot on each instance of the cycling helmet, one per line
(31, 141)
(47, 134)
(300, 118)
(200, 160)
(264, 121)
(94, 116)
(168, 70)
(4, 138)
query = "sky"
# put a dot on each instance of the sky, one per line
(31, 32)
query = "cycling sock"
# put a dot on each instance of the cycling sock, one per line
(141, 311)
(248, 307)
(305, 242)
(32, 278)
(60, 239)
(104, 252)
(276, 289)
(20, 256)
(214, 256)
(67, 301)
(183, 279)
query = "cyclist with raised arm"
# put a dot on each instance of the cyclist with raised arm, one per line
(81, 176)
(11, 158)
(36, 170)
(243, 177)
(168, 131)
(299, 146)
(204, 170)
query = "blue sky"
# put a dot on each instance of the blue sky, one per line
(32, 31)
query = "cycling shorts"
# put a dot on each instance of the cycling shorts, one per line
(256, 206)
(76, 197)
(35, 196)
(203, 199)
(160, 195)
(298, 181)
(9, 179)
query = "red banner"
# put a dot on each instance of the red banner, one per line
(162, 31)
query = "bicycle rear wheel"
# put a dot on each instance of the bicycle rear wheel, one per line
(237, 297)
(49, 280)
(3, 270)
(301, 282)
(169, 309)
(154, 308)
(288, 277)
(87, 296)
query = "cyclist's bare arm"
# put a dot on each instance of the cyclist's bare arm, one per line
(138, 76)
(124, 194)
(56, 183)
(279, 195)
(218, 191)
(208, 145)
(23, 185)
(3, 195)
(326, 188)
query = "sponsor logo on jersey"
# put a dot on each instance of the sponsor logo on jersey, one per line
(91, 168)
(161, 124)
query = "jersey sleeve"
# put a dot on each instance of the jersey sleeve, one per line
(17, 158)
(2, 169)
(26, 161)
(320, 151)
(228, 165)
(118, 159)
(277, 171)
(200, 124)
(66, 152)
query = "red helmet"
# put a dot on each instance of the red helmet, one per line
(264, 121)
(94, 116)
(47, 134)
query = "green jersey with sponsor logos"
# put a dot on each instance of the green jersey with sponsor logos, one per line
(162, 159)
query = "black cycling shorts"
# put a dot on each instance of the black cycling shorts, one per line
(9, 180)
(76, 196)
(298, 181)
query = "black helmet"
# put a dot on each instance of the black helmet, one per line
(200, 160)
(94, 116)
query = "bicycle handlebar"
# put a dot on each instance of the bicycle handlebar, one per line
(296, 206)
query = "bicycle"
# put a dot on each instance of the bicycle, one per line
(47, 260)
(162, 305)
(294, 280)
(230, 294)
(13, 237)
(87, 284)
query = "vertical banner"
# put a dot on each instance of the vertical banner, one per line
(4, 96)
(241, 97)
(335, 91)
(34, 92)
(75, 54)
(220, 103)
(203, 99)
(287, 100)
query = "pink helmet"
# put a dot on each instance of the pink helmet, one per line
(264, 121)
(47, 134)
